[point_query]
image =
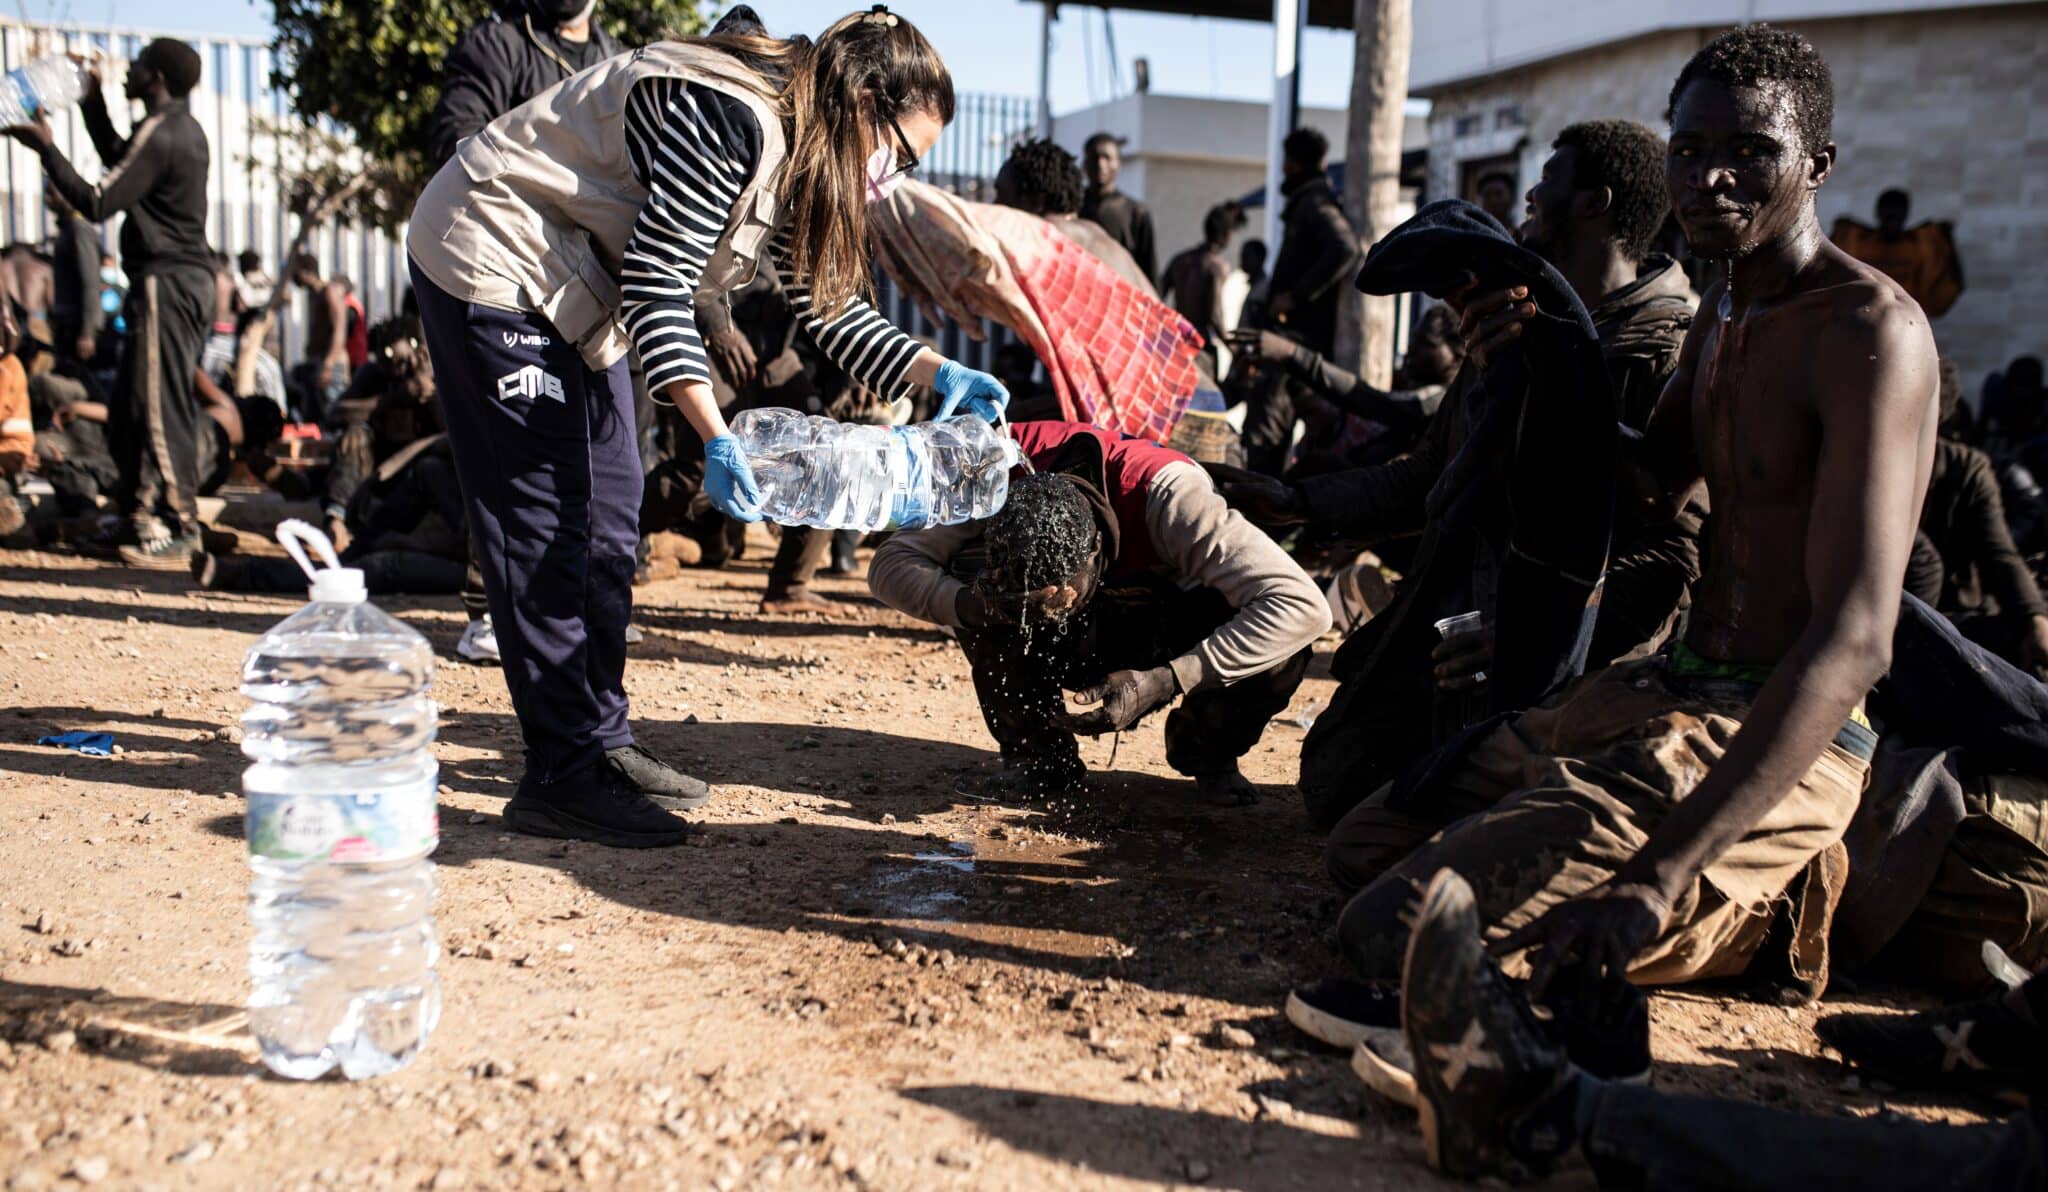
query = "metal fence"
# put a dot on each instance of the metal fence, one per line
(965, 160)
(235, 101)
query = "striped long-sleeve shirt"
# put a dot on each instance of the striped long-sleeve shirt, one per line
(695, 150)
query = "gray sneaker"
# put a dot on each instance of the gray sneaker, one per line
(669, 787)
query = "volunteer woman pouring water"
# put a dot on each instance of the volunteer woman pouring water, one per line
(577, 228)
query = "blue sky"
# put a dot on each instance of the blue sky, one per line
(992, 45)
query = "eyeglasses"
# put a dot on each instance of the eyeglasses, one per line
(908, 159)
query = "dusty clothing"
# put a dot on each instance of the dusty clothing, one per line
(1921, 259)
(1992, 883)
(1641, 1137)
(1173, 523)
(1129, 223)
(1550, 804)
(1189, 585)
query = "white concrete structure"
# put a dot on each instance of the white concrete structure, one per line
(1944, 98)
(233, 99)
(1184, 155)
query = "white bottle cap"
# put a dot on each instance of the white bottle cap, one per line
(333, 584)
(339, 585)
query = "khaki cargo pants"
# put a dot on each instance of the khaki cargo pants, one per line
(1992, 885)
(1549, 805)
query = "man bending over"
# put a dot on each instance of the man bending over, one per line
(1114, 571)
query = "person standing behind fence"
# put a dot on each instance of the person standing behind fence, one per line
(577, 229)
(157, 178)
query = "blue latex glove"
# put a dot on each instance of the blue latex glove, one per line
(969, 392)
(729, 480)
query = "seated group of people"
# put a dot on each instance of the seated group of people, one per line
(1702, 730)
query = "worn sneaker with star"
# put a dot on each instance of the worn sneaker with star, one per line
(1984, 1046)
(479, 644)
(1482, 1061)
(1611, 1041)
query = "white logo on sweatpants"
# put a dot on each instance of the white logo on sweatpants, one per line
(530, 382)
(514, 339)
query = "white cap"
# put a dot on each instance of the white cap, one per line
(339, 585)
(333, 584)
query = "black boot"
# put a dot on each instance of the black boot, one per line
(598, 804)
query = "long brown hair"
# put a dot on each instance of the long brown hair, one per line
(823, 190)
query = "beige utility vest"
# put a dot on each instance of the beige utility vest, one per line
(533, 212)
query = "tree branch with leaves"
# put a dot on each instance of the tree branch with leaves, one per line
(372, 68)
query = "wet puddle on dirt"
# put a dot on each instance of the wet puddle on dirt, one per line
(1025, 888)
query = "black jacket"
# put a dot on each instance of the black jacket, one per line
(1964, 518)
(1318, 253)
(156, 175)
(498, 65)
(1513, 489)
(1129, 223)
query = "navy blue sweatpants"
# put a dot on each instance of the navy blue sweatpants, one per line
(546, 450)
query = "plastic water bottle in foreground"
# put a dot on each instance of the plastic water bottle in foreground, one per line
(341, 815)
(840, 476)
(49, 84)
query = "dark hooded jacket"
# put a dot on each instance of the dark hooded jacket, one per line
(1514, 489)
(501, 63)
(1318, 250)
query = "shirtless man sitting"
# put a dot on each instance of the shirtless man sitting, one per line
(1651, 820)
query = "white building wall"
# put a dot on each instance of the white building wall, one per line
(1183, 155)
(1950, 105)
(233, 99)
(1460, 40)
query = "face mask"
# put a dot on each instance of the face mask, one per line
(562, 12)
(109, 275)
(882, 176)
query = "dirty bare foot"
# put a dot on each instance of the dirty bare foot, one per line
(1226, 788)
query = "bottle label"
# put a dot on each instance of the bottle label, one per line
(389, 825)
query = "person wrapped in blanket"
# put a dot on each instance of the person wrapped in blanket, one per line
(1114, 571)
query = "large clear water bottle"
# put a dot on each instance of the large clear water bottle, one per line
(342, 815)
(841, 476)
(49, 84)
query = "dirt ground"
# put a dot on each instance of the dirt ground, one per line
(863, 974)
